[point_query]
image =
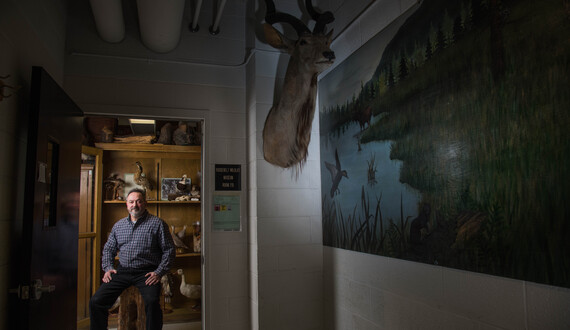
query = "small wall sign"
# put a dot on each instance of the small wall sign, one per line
(226, 215)
(228, 177)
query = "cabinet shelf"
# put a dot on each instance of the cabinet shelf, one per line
(154, 202)
(180, 255)
(148, 147)
(189, 254)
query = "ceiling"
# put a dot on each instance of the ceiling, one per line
(152, 32)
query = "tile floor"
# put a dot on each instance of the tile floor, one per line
(183, 326)
(179, 326)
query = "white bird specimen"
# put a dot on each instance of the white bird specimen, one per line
(188, 290)
(177, 240)
(182, 233)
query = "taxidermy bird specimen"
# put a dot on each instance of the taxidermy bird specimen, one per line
(165, 134)
(141, 179)
(188, 290)
(177, 237)
(336, 174)
(183, 184)
(180, 135)
(197, 237)
(287, 130)
(195, 191)
(182, 233)
(167, 282)
(115, 184)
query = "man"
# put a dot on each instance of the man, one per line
(146, 251)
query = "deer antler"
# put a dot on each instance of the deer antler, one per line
(273, 17)
(321, 19)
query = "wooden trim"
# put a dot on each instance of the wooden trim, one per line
(87, 235)
(148, 147)
(98, 190)
(154, 202)
(83, 323)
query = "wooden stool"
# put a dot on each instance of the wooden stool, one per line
(131, 310)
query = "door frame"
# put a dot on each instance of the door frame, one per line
(182, 114)
(95, 233)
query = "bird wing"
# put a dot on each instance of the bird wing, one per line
(182, 232)
(336, 159)
(179, 243)
(332, 169)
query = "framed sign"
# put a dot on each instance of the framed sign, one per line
(228, 177)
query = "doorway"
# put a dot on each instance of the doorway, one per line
(116, 144)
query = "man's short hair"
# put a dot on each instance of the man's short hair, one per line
(138, 190)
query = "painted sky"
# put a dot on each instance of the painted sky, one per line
(345, 80)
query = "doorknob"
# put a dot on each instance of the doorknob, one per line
(37, 289)
(33, 292)
(23, 292)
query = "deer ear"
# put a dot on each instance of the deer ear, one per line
(275, 38)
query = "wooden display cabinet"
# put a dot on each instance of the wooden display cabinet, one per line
(159, 162)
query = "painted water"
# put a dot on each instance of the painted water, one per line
(355, 158)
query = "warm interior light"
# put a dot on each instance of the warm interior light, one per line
(142, 126)
(141, 121)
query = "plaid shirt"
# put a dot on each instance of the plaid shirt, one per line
(146, 244)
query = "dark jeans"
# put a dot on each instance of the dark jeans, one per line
(107, 293)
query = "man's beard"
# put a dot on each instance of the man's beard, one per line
(136, 212)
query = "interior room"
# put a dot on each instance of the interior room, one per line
(121, 75)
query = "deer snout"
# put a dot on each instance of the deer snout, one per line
(329, 55)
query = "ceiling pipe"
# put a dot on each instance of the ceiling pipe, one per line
(194, 27)
(160, 23)
(214, 29)
(108, 15)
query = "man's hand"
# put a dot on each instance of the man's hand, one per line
(107, 277)
(152, 278)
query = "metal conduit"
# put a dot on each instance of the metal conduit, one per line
(194, 27)
(214, 29)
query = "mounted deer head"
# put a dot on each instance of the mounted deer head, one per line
(287, 130)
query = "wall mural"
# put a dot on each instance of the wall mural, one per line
(445, 140)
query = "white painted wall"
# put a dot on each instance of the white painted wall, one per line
(285, 219)
(363, 291)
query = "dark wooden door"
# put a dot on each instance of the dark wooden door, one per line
(46, 276)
